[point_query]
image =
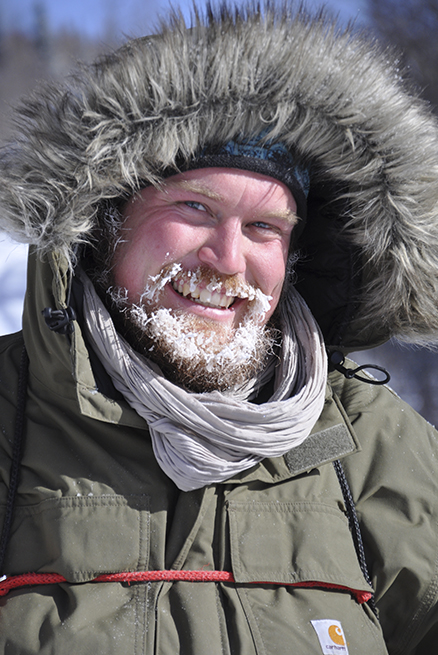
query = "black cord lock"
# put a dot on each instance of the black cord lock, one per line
(337, 360)
(60, 320)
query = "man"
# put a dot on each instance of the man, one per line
(182, 469)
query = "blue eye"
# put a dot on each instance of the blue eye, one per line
(261, 225)
(195, 205)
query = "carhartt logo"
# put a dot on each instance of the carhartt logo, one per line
(335, 634)
(331, 637)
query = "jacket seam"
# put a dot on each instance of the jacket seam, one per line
(143, 557)
(141, 605)
(221, 621)
(78, 502)
(289, 507)
(252, 622)
(426, 603)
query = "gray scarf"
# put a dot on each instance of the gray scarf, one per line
(200, 439)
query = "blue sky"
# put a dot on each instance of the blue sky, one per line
(130, 17)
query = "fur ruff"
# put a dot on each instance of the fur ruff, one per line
(331, 96)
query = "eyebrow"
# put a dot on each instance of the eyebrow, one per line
(285, 214)
(195, 187)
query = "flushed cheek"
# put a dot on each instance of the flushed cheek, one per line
(162, 245)
(135, 262)
(274, 302)
(130, 269)
(270, 278)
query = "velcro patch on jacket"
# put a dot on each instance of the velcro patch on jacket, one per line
(320, 448)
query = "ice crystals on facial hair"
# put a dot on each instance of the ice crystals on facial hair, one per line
(208, 288)
(199, 353)
(158, 282)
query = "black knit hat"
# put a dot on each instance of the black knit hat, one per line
(268, 158)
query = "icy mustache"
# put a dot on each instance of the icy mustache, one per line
(207, 287)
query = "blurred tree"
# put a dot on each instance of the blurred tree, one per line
(1, 34)
(41, 31)
(414, 374)
(412, 26)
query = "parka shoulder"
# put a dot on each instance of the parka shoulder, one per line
(393, 482)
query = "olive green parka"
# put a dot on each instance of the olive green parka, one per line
(91, 498)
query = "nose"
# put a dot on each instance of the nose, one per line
(224, 249)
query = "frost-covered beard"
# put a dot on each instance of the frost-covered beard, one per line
(197, 353)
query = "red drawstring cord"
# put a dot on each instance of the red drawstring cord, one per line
(15, 581)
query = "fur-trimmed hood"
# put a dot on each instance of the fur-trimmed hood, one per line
(369, 265)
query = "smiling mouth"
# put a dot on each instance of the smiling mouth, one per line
(209, 297)
(203, 287)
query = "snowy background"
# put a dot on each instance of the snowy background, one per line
(12, 284)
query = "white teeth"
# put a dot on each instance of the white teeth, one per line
(215, 298)
(205, 296)
(226, 301)
(185, 289)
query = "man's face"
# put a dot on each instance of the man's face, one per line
(228, 222)
(198, 272)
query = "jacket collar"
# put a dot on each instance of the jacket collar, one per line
(332, 438)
